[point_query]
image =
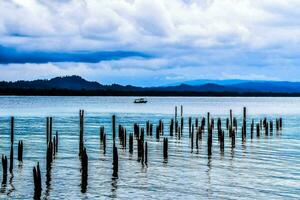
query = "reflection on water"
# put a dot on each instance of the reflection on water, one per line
(259, 168)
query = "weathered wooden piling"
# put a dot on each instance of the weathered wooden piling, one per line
(165, 148)
(230, 118)
(81, 131)
(142, 151)
(125, 139)
(181, 110)
(235, 123)
(227, 123)
(131, 143)
(56, 144)
(257, 130)
(50, 128)
(252, 129)
(115, 162)
(37, 182)
(267, 128)
(157, 133)
(139, 149)
(171, 127)
(101, 132)
(190, 126)
(175, 113)
(12, 125)
(271, 127)
(199, 130)
(148, 127)
(151, 129)
(208, 122)
(11, 158)
(280, 123)
(49, 157)
(4, 169)
(20, 151)
(146, 154)
(233, 139)
(114, 127)
(209, 141)
(181, 124)
(244, 127)
(197, 138)
(222, 141)
(84, 170)
(104, 143)
(192, 137)
(47, 130)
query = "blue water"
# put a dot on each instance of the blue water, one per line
(263, 168)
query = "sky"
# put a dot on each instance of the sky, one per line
(150, 42)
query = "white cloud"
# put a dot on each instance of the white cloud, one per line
(150, 23)
(205, 36)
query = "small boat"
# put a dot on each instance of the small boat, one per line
(140, 100)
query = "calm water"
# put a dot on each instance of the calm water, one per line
(264, 168)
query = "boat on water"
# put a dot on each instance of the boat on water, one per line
(140, 100)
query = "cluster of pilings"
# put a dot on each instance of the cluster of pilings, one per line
(196, 129)
(11, 157)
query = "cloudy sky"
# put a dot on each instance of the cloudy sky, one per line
(150, 42)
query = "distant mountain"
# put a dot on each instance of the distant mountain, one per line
(211, 81)
(67, 82)
(78, 85)
(269, 86)
(209, 87)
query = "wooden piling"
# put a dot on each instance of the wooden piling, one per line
(209, 141)
(47, 130)
(37, 182)
(190, 126)
(84, 170)
(171, 127)
(252, 129)
(222, 141)
(56, 144)
(146, 153)
(104, 143)
(20, 151)
(50, 128)
(114, 127)
(4, 169)
(181, 124)
(49, 157)
(151, 129)
(233, 139)
(12, 124)
(257, 130)
(11, 158)
(81, 131)
(131, 143)
(157, 133)
(181, 110)
(192, 138)
(165, 148)
(115, 162)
